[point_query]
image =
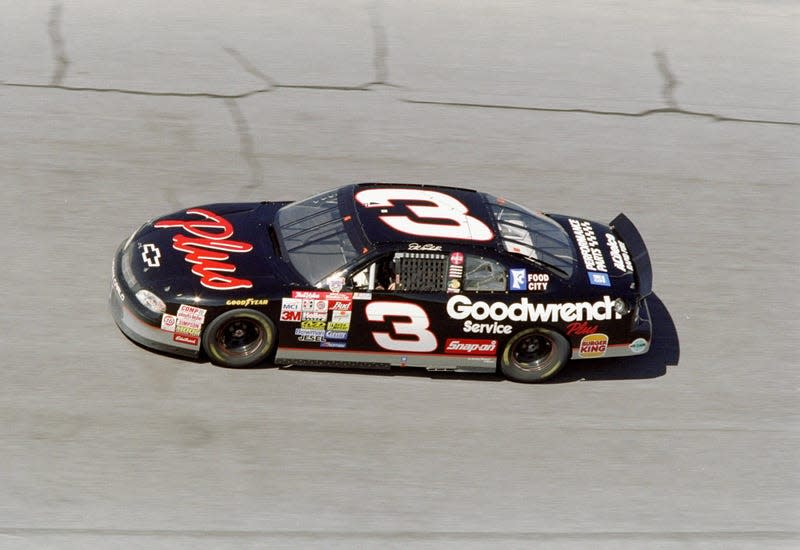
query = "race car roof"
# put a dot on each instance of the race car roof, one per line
(399, 212)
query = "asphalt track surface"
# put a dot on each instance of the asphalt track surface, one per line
(686, 116)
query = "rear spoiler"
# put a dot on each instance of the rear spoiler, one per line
(638, 251)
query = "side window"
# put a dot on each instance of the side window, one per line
(484, 274)
(404, 271)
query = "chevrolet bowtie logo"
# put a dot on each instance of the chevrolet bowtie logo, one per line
(150, 255)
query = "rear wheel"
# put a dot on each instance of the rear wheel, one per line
(534, 355)
(239, 338)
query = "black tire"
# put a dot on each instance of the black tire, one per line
(239, 338)
(534, 355)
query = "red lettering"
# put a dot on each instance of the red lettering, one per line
(209, 250)
(581, 328)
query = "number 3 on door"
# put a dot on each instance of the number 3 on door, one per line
(415, 328)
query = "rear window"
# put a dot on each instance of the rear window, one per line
(533, 236)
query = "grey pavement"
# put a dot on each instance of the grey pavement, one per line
(683, 115)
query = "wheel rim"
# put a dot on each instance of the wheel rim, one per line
(533, 352)
(240, 337)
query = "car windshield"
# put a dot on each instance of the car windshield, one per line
(533, 236)
(313, 235)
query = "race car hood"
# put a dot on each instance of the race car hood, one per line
(609, 255)
(206, 250)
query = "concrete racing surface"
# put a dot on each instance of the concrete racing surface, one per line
(684, 115)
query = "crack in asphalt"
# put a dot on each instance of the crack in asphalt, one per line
(670, 82)
(648, 112)
(249, 67)
(57, 43)
(246, 145)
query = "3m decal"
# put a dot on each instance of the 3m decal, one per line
(619, 253)
(151, 255)
(292, 316)
(447, 217)
(588, 245)
(209, 248)
(465, 346)
(599, 279)
(593, 345)
(461, 307)
(410, 326)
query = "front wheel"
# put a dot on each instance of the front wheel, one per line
(534, 355)
(239, 338)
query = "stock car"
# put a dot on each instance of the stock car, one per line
(378, 275)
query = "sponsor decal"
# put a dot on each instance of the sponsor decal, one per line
(599, 279)
(427, 247)
(520, 280)
(314, 305)
(487, 328)
(466, 346)
(292, 316)
(312, 324)
(308, 294)
(151, 255)
(339, 326)
(588, 245)
(638, 345)
(593, 345)
(537, 282)
(314, 315)
(208, 248)
(362, 295)
(305, 332)
(456, 258)
(118, 289)
(335, 335)
(327, 344)
(581, 328)
(517, 279)
(247, 302)
(291, 304)
(461, 307)
(341, 306)
(186, 339)
(315, 339)
(340, 316)
(189, 320)
(453, 286)
(336, 283)
(168, 322)
(619, 253)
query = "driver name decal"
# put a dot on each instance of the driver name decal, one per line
(209, 248)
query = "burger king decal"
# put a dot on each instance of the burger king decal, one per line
(593, 345)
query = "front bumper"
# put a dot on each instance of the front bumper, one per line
(138, 324)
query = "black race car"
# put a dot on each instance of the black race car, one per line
(386, 275)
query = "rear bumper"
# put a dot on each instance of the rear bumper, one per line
(136, 325)
(636, 342)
